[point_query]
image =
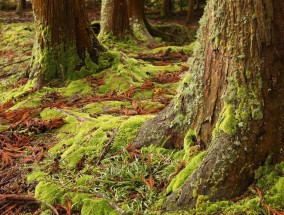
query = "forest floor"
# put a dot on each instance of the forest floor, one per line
(66, 149)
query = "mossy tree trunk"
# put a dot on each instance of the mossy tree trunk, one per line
(138, 21)
(21, 5)
(167, 8)
(64, 41)
(190, 10)
(232, 99)
(126, 18)
(114, 19)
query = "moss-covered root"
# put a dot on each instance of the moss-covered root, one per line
(219, 182)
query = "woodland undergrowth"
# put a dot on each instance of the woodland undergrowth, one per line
(65, 147)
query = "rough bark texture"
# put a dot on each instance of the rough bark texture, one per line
(138, 20)
(190, 10)
(107, 10)
(114, 19)
(167, 8)
(64, 40)
(232, 98)
(21, 6)
(120, 19)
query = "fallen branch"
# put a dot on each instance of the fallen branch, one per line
(270, 209)
(153, 58)
(26, 199)
(9, 64)
(107, 147)
(81, 119)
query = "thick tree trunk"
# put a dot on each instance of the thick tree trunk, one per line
(106, 22)
(64, 41)
(121, 26)
(232, 98)
(114, 19)
(21, 6)
(166, 8)
(138, 20)
(190, 10)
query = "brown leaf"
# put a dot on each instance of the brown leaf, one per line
(152, 181)
(146, 182)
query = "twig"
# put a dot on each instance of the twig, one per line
(153, 58)
(81, 119)
(107, 147)
(20, 61)
(28, 199)
(270, 209)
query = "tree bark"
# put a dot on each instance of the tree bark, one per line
(232, 98)
(64, 41)
(114, 21)
(138, 21)
(21, 6)
(166, 8)
(190, 10)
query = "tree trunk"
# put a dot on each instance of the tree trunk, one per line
(137, 20)
(21, 6)
(106, 22)
(64, 41)
(166, 8)
(114, 21)
(232, 98)
(190, 10)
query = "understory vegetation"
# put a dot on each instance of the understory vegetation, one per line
(68, 144)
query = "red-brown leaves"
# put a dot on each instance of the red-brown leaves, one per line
(36, 156)
(7, 158)
(168, 77)
(66, 209)
(97, 81)
(8, 202)
(17, 144)
(41, 126)
(16, 117)
(149, 183)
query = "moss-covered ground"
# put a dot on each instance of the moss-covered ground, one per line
(62, 160)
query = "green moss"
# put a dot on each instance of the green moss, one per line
(229, 123)
(16, 92)
(130, 73)
(84, 146)
(56, 63)
(180, 178)
(269, 179)
(49, 113)
(79, 198)
(100, 107)
(83, 180)
(277, 197)
(187, 49)
(36, 176)
(78, 86)
(48, 192)
(188, 139)
(105, 60)
(185, 35)
(4, 127)
(201, 201)
(97, 207)
(128, 131)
